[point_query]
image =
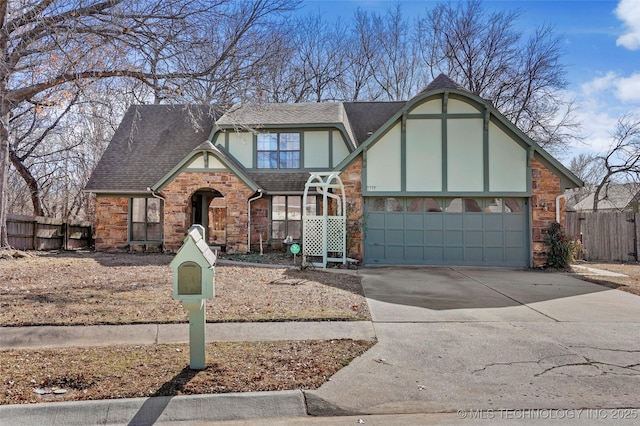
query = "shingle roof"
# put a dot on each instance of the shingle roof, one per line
(367, 117)
(611, 197)
(442, 82)
(274, 183)
(149, 142)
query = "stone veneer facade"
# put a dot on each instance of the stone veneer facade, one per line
(352, 180)
(112, 211)
(112, 222)
(545, 187)
(177, 207)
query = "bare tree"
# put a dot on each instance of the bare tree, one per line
(361, 55)
(397, 69)
(486, 54)
(623, 158)
(587, 167)
(51, 49)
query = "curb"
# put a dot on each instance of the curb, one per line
(149, 411)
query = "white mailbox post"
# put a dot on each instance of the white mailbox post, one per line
(193, 282)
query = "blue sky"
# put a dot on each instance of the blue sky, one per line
(602, 52)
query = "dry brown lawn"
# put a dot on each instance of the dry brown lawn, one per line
(100, 288)
(630, 283)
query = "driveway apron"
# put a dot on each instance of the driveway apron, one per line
(470, 339)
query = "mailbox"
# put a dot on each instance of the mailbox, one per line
(193, 268)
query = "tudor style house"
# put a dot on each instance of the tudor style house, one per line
(441, 179)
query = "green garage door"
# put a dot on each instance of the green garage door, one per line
(446, 231)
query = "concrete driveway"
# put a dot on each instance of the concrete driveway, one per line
(470, 339)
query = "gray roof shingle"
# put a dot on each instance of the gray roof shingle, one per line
(367, 117)
(149, 142)
(283, 182)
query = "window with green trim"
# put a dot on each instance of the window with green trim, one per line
(279, 151)
(145, 220)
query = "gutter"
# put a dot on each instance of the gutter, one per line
(260, 194)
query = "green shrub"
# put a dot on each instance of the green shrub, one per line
(560, 248)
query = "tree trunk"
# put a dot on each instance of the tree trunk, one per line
(31, 182)
(4, 173)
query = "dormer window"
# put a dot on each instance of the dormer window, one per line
(279, 151)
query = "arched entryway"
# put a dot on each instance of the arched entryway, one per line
(209, 209)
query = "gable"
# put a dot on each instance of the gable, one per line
(448, 141)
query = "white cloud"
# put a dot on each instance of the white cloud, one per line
(628, 89)
(628, 11)
(599, 84)
(600, 102)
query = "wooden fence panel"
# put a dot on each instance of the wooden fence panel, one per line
(41, 233)
(605, 236)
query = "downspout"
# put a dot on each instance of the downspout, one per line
(566, 194)
(260, 194)
(558, 198)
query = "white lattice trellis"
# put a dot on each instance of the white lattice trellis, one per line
(324, 234)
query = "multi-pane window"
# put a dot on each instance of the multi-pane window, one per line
(145, 220)
(279, 151)
(286, 215)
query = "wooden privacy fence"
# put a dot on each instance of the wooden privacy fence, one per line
(41, 233)
(606, 236)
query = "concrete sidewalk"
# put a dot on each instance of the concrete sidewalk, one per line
(148, 334)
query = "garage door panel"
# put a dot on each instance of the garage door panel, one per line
(493, 222)
(453, 254)
(414, 221)
(433, 237)
(474, 255)
(414, 253)
(414, 238)
(473, 238)
(473, 221)
(493, 255)
(395, 254)
(395, 221)
(454, 238)
(493, 239)
(513, 238)
(514, 255)
(434, 221)
(376, 253)
(376, 236)
(434, 255)
(453, 221)
(376, 220)
(394, 236)
(513, 222)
